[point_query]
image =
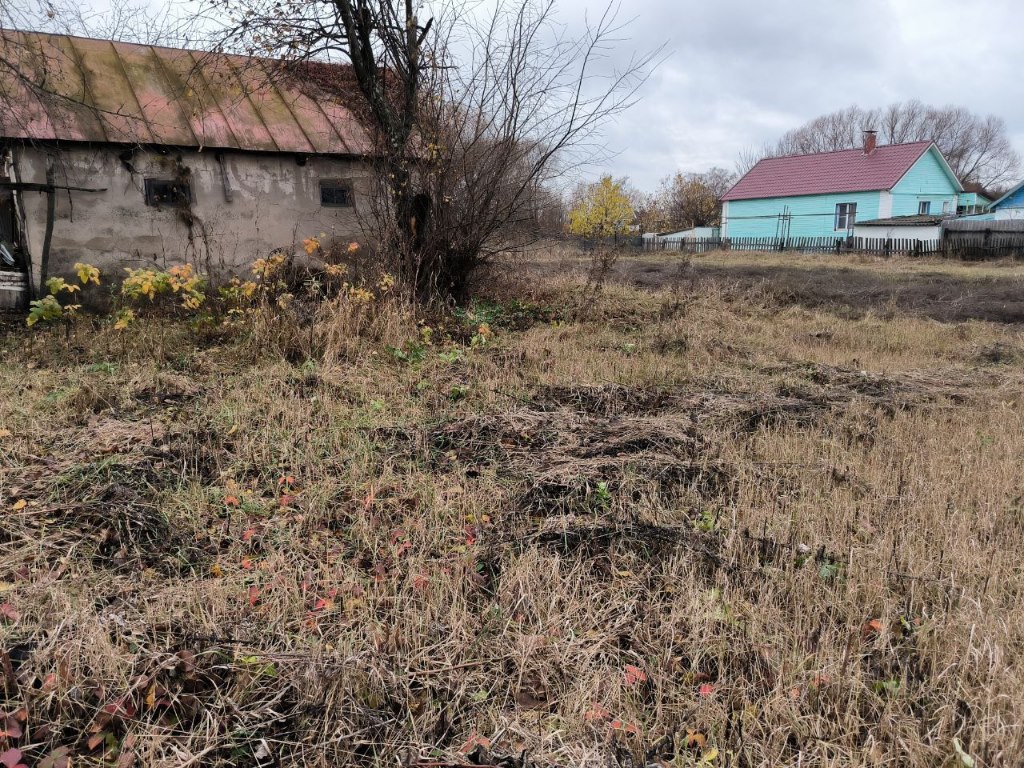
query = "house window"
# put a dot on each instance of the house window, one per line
(168, 193)
(924, 207)
(335, 194)
(846, 215)
(945, 206)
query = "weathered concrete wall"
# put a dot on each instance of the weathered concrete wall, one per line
(275, 203)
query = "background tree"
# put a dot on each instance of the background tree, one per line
(694, 199)
(602, 210)
(471, 111)
(977, 147)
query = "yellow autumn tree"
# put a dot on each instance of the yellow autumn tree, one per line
(602, 210)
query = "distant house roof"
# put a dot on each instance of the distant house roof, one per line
(1010, 193)
(848, 170)
(979, 190)
(917, 220)
(100, 91)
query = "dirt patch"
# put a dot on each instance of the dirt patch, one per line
(850, 292)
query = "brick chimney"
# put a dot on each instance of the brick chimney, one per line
(870, 141)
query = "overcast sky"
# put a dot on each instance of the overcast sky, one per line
(740, 73)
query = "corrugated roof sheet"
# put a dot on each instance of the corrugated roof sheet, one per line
(848, 170)
(102, 91)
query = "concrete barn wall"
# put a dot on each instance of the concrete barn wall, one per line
(275, 204)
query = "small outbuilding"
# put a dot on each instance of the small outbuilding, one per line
(917, 227)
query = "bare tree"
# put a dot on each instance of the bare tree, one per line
(977, 147)
(471, 111)
(694, 199)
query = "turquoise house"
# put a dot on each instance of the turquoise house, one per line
(826, 194)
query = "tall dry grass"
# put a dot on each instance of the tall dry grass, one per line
(680, 526)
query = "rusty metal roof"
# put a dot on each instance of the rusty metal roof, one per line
(100, 91)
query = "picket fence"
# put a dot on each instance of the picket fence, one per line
(961, 245)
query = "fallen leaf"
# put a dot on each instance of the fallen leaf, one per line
(254, 595)
(635, 675)
(872, 627)
(323, 604)
(475, 741)
(11, 759)
(151, 696)
(710, 755)
(706, 689)
(696, 739)
(95, 740)
(12, 729)
(248, 534)
(19, 505)
(966, 761)
(5, 433)
(231, 501)
(9, 612)
(56, 759)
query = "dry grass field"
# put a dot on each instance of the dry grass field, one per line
(748, 510)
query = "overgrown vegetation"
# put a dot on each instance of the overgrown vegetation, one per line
(691, 525)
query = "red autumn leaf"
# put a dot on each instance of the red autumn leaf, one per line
(618, 725)
(420, 582)
(397, 535)
(9, 612)
(254, 595)
(470, 535)
(231, 501)
(474, 741)
(635, 675)
(596, 712)
(20, 714)
(120, 708)
(247, 563)
(95, 740)
(11, 759)
(287, 499)
(323, 604)
(404, 547)
(872, 627)
(706, 690)
(12, 729)
(248, 534)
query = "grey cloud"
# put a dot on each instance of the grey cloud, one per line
(740, 73)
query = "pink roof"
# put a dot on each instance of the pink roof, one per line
(848, 170)
(108, 92)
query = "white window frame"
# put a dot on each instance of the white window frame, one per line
(924, 208)
(846, 214)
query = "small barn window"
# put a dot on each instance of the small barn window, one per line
(846, 214)
(924, 207)
(169, 193)
(335, 194)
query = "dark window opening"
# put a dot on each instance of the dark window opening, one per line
(846, 215)
(171, 193)
(334, 194)
(924, 207)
